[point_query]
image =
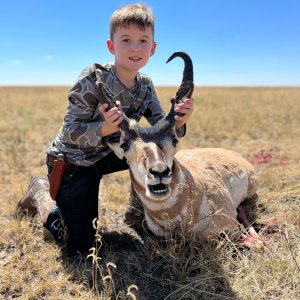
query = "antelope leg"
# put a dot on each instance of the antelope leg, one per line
(253, 235)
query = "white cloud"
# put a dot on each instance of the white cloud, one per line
(16, 62)
(49, 57)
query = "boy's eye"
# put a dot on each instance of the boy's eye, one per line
(144, 41)
(126, 40)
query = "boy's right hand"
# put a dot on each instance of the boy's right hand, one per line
(112, 118)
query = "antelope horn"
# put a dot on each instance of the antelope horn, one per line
(107, 97)
(187, 85)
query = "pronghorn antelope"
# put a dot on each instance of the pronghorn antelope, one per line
(196, 192)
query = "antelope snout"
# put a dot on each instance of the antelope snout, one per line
(160, 172)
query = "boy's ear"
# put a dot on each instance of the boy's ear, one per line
(110, 46)
(153, 48)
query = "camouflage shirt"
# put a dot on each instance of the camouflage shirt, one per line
(79, 138)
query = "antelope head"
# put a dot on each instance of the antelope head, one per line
(150, 150)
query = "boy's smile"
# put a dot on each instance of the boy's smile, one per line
(132, 47)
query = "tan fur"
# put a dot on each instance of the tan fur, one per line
(195, 193)
(216, 180)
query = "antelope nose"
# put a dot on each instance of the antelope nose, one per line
(161, 174)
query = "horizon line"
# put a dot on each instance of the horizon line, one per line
(163, 86)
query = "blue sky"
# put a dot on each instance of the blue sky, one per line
(231, 42)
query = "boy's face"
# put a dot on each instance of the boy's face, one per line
(132, 47)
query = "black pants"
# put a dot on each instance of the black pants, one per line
(77, 204)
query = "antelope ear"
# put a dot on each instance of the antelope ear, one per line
(115, 147)
(180, 132)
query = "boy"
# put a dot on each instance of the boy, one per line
(88, 126)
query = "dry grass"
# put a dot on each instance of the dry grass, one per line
(261, 123)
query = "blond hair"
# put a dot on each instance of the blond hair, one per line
(137, 14)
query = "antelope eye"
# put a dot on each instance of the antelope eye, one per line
(175, 142)
(124, 146)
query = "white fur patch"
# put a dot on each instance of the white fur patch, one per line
(237, 187)
(174, 223)
(157, 230)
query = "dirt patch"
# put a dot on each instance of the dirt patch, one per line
(267, 157)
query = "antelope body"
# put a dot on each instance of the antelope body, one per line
(211, 185)
(194, 192)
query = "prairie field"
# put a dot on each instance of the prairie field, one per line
(263, 124)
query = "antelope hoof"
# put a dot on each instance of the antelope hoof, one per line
(252, 239)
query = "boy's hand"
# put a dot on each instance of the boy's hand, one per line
(112, 119)
(186, 108)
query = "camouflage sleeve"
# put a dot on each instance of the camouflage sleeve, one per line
(82, 122)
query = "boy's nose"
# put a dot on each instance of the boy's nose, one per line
(135, 46)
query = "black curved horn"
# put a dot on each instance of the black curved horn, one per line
(187, 85)
(188, 74)
(105, 95)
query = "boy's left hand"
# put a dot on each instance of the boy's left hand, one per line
(186, 108)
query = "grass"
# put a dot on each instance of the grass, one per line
(261, 123)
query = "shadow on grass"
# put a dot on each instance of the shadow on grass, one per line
(160, 269)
